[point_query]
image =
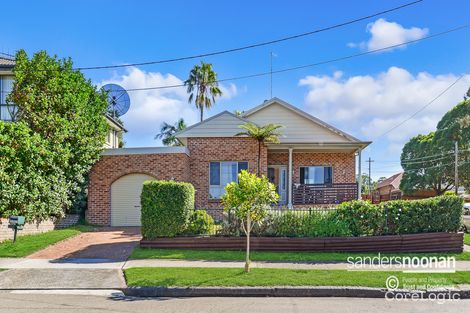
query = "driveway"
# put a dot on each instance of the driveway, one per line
(90, 260)
(109, 243)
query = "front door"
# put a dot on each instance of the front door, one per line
(278, 176)
(282, 187)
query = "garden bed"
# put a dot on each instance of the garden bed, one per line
(425, 242)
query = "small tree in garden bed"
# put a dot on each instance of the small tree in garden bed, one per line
(249, 199)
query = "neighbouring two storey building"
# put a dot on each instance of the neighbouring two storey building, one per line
(8, 110)
(313, 165)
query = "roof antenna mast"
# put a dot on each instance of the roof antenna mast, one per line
(271, 72)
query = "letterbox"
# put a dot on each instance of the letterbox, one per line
(16, 222)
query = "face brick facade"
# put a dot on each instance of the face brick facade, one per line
(204, 150)
(109, 168)
(343, 164)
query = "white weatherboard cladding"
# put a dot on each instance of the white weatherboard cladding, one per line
(297, 129)
(223, 125)
(125, 199)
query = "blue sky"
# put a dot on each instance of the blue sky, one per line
(364, 96)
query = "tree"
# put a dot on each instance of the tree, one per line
(249, 198)
(202, 87)
(455, 127)
(168, 131)
(365, 183)
(31, 184)
(421, 171)
(263, 134)
(65, 109)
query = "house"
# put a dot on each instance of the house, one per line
(313, 165)
(7, 111)
(389, 189)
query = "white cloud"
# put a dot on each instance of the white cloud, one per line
(370, 105)
(150, 108)
(384, 33)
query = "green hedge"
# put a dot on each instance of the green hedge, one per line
(166, 208)
(362, 218)
(438, 214)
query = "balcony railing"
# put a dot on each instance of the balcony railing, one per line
(323, 194)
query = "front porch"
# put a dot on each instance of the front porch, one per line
(313, 174)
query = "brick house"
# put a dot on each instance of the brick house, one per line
(314, 164)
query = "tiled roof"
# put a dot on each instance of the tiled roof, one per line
(393, 181)
(6, 62)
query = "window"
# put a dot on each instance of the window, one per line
(6, 86)
(221, 174)
(316, 175)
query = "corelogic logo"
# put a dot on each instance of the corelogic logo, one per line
(419, 289)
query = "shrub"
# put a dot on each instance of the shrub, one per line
(288, 224)
(360, 217)
(166, 208)
(325, 225)
(438, 214)
(200, 222)
(31, 184)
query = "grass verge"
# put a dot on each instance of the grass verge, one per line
(466, 239)
(28, 244)
(211, 255)
(233, 277)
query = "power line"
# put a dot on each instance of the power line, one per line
(343, 58)
(256, 44)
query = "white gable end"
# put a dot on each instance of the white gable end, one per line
(297, 128)
(224, 124)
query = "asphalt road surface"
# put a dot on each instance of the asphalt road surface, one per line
(32, 303)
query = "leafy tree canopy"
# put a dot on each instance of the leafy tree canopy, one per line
(31, 184)
(65, 110)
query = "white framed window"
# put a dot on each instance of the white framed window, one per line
(221, 174)
(316, 174)
(6, 86)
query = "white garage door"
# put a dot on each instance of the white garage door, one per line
(125, 199)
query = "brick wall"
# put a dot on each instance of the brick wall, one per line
(343, 163)
(28, 229)
(111, 167)
(204, 150)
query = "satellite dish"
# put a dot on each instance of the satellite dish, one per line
(118, 100)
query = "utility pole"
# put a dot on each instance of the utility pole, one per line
(370, 179)
(456, 179)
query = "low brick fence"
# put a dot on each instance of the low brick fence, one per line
(36, 228)
(426, 242)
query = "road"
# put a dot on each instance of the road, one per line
(32, 303)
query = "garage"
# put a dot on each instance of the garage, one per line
(125, 199)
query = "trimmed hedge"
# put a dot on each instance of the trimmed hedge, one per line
(362, 218)
(166, 208)
(438, 214)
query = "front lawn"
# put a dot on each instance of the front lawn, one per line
(231, 277)
(212, 255)
(28, 244)
(466, 239)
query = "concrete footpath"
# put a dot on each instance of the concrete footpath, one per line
(26, 263)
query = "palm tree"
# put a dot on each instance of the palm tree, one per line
(202, 87)
(167, 133)
(263, 134)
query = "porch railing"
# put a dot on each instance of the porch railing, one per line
(324, 194)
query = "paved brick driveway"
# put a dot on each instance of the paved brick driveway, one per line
(109, 243)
